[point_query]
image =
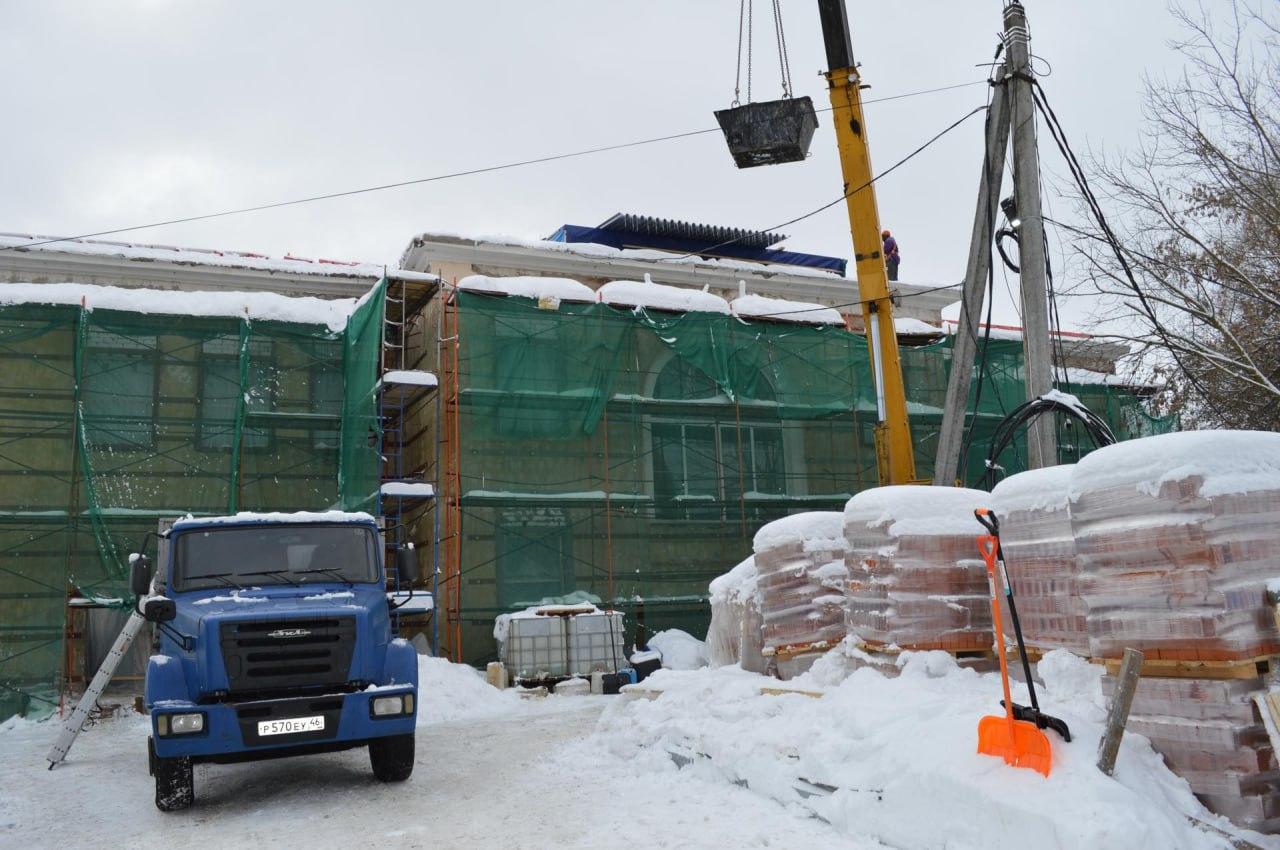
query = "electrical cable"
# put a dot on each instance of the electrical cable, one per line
(438, 177)
(1029, 411)
(1108, 235)
(953, 125)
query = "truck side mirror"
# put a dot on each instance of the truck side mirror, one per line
(139, 574)
(159, 609)
(407, 564)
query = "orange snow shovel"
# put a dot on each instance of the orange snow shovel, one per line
(1019, 742)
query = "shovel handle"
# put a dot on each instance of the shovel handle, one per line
(987, 546)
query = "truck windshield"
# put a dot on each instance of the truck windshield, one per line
(227, 556)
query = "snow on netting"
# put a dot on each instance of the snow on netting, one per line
(113, 418)
(1177, 536)
(800, 560)
(633, 451)
(1040, 558)
(916, 578)
(1210, 733)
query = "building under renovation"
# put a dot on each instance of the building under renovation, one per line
(618, 409)
(621, 408)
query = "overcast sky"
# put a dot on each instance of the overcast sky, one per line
(123, 113)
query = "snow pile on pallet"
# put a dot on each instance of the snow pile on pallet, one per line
(734, 636)
(916, 578)
(448, 691)
(901, 755)
(679, 650)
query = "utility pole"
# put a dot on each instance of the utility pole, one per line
(951, 433)
(1042, 446)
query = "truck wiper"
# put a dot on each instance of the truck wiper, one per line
(330, 571)
(284, 574)
(222, 577)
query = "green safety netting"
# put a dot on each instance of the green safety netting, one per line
(110, 420)
(633, 454)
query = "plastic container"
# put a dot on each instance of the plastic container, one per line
(536, 647)
(916, 578)
(596, 642)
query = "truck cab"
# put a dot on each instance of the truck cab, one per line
(273, 638)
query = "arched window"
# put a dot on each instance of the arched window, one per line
(712, 461)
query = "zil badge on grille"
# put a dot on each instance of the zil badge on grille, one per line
(289, 633)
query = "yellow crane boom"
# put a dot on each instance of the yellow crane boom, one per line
(895, 454)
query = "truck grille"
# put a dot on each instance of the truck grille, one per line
(272, 655)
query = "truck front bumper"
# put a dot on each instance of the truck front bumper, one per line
(243, 731)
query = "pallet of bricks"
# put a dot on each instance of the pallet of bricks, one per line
(800, 565)
(1040, 558)
(916, 579)
(1177, 537)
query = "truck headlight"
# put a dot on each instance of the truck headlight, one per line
(180, 724)
(389, 706)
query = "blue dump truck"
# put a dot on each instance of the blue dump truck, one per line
(273, 638)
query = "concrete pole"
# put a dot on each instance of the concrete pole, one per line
(1036, 347)
(951, 432)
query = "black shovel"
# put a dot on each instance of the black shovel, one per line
(1032, 713)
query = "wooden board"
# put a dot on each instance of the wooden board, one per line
(1249, 668)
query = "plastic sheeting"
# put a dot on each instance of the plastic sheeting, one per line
(1040, 558)
(916, 578)
(1169, 565)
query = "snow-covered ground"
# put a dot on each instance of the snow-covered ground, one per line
(495, 770)
(492, 771)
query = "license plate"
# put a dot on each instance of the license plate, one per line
(291, 725)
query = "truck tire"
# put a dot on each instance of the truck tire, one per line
(392, 757)
(175, 783)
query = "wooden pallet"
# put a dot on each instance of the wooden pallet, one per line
(1166, 668)
(883, 649)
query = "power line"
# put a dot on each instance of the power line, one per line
(850, 192)
(435, 178)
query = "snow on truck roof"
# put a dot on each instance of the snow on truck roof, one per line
(248, 517)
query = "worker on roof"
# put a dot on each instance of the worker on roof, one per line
(891, 255)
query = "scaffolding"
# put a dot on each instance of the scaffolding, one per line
(632, 454)
(111, 420)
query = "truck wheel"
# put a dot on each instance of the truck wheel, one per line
(392, 757)
(175, 783)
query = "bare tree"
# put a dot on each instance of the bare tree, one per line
(1195, 263)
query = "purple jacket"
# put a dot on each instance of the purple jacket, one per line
(891, 249)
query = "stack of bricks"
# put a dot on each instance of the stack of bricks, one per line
(1210, 733)
(801, 564)
(1040, 558)
(916, 578)
(1177, 537)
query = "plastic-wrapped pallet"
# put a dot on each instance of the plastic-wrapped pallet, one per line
(916, 579)
(800, 562)
(734, 636)
(1210, 733)
(1040, 556)
(1177, 536)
